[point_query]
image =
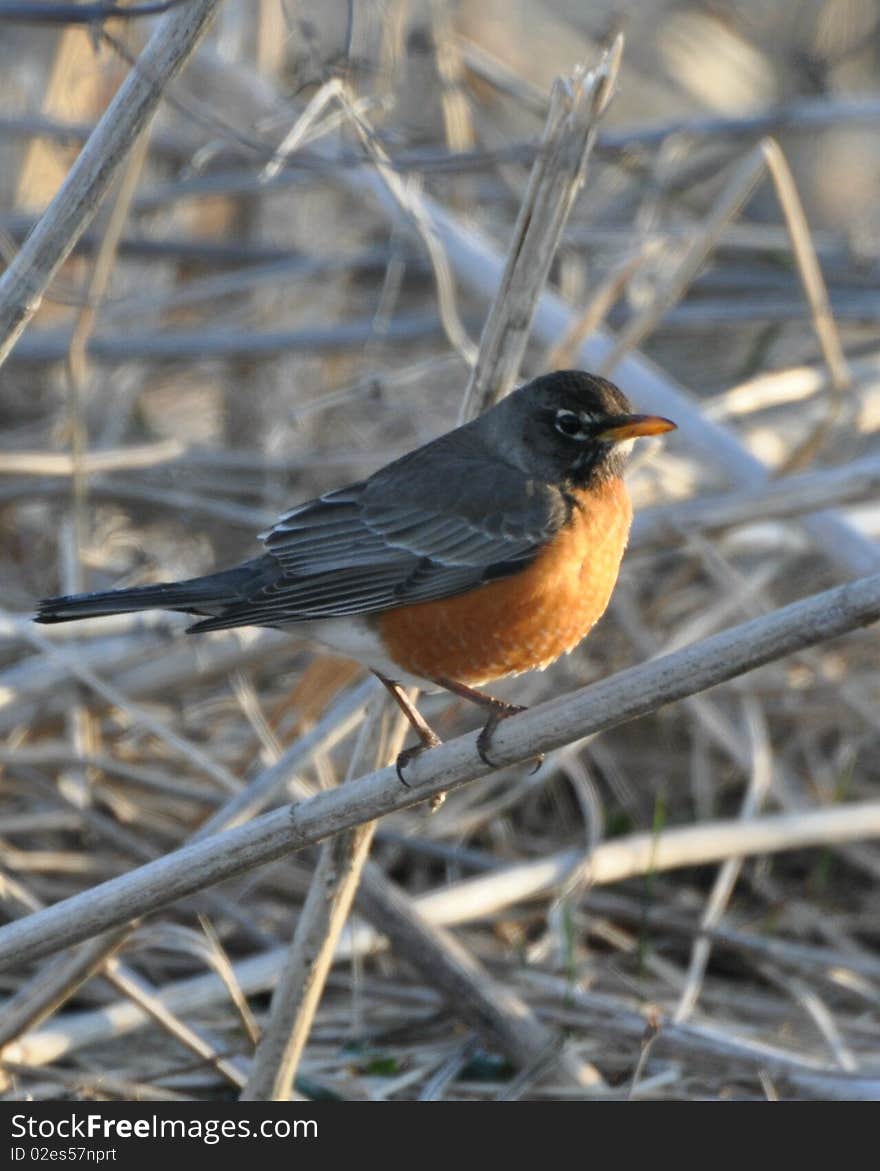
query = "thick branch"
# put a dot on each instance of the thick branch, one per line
(613, 701)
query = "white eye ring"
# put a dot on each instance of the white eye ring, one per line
(570, 424)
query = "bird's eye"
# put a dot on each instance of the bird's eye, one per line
(570, 424)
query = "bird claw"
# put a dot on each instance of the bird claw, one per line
(502, 712)
(408, 755)
(404, 758)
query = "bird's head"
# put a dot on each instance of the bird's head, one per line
(573, 426)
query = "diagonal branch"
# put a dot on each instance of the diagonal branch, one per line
(613, 701)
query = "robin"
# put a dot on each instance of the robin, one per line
(487, 552)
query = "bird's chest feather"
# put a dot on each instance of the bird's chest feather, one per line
(526, 620)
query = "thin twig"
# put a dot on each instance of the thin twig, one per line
(59, 463)
(759, 786)
(576, 105)
(792, 495)
(50, 345)
(302, 978)
(475, 995)
(25, 281)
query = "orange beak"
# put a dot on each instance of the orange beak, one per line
(634, 427)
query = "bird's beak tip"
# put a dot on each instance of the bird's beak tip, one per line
(635, 427)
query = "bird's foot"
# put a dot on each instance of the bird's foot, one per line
(424, 731)
(408, 755)
(500, 711)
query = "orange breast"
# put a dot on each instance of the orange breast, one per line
(524, 621)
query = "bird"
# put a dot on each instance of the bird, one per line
(488, 551)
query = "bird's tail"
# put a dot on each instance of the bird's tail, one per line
(198, 595)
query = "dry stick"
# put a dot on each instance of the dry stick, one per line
(304, 974)
(336, 723)
(51, 345)
(470, 988)
(58, 981)
(800, 115)
(576, 105)
(443, 959)
(783, 387)
(756, 306)
(788, 496)
(99, 1086)
(544, 728)
(119, 459)
(563, 354)
(759, 785)
(556, 178)
(408, 200)
(222, 965)
(304, 130)
(235, 514)
(440, 958)
(617, 1017)
(765, 156)
(841, 969)
(479, 265)
(457, 122)
(114, 696)
(731, 200)
(114, 626)
(35, 677)
(77, 365)
(748, 596)
(814, 286)
(199, 290)
(495, 72)
(53, 987)
(70, 212)
(178, 667)
(807, 262)
(478, 898)
(133, 844)
(54, 984)
(78, 719)
(808, 1000)
(149, 1001)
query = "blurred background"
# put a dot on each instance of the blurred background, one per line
(237, 332)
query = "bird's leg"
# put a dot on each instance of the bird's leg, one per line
(424, 731)
(499, 709)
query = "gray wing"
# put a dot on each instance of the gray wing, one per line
(440, 521)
